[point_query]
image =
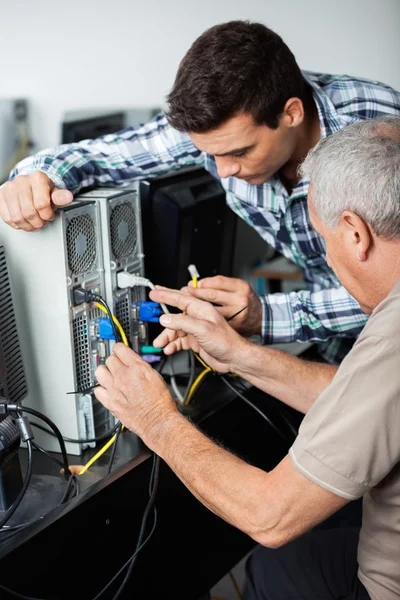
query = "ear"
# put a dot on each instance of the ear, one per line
(293, 113)
(357, 233)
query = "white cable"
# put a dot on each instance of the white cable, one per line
(175, 389)
(125, 280)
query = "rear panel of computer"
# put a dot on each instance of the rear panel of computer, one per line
(60, 340)
(121, 228)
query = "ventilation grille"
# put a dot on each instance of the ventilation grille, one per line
(15, 374)
(122, 310)
(82, 354)
(81, 244)
(123, 229)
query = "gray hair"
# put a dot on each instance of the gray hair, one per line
(358, 169)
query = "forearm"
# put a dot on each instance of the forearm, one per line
(214, 475)
(139, 152)
(292, 380)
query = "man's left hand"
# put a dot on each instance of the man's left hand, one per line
(134, 392)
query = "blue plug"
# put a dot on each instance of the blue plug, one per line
(149, 311)
(105, 329)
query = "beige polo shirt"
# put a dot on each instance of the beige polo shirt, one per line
(349, 444)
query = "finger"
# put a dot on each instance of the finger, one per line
(185, 302)
(218, 296)
(61, 197)
(196, 327)
(4, 213)
(104, 377)
(114, 365)
(166, 336)
(28, 210)
(187, 343)
(14, 209)
(102, 396)
(162, 287)
(41, 193)
(219, 282)
(125, 356)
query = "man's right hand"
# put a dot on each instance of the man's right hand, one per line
(204, 329)
(28, 201)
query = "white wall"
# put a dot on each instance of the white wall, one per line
(87, 53)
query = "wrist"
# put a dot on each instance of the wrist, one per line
(241, 359)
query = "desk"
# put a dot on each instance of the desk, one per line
(95, 533)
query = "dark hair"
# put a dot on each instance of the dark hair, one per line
(234, 67)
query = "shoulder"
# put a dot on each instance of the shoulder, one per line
(356, 96)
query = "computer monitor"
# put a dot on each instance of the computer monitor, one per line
(185, 220)
(91, 127)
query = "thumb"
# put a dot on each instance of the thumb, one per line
(61, 197)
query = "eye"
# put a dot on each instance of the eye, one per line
(239, 154)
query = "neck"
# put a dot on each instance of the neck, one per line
(385, 273)
(309, 134)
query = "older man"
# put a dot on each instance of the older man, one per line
(349, 441)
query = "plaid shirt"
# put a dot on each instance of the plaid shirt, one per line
(325, 312)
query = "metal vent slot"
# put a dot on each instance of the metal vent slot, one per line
(123, 230)
(15, 378)
(81, 244)
(82, 354)
(122, 312)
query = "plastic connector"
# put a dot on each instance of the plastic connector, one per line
(80, 296)
(149, 311)
(105, 329)
(150, 350)
(125, 280)
(193, 271)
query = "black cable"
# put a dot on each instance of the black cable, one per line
(101, 301)
(289, 424)
(285, 418)
(140, 545)
(114, 448)
(237, 313)
(260, 412)
(53, 458)
(154, 478)
(101, 438)
(39, 415)
(72, 481)
(10, 511)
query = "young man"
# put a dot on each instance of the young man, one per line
(348, 444)
(240, 106)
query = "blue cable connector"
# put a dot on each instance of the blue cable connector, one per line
(149, 311)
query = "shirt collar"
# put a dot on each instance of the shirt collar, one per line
(330, 119)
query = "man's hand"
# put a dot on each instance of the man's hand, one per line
(134, 392)
(207, 331)
(231, 295)
(27, 202)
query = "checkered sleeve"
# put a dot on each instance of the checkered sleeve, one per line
(139, 152)
(311, 316)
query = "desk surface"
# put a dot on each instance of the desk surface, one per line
(96, 532)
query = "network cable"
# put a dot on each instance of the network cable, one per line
(254, 407)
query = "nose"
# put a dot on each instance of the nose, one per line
(227, 166)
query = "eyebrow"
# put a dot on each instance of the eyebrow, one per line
(236, 151)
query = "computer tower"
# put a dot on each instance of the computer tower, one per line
(59, 338)
(121, 230)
